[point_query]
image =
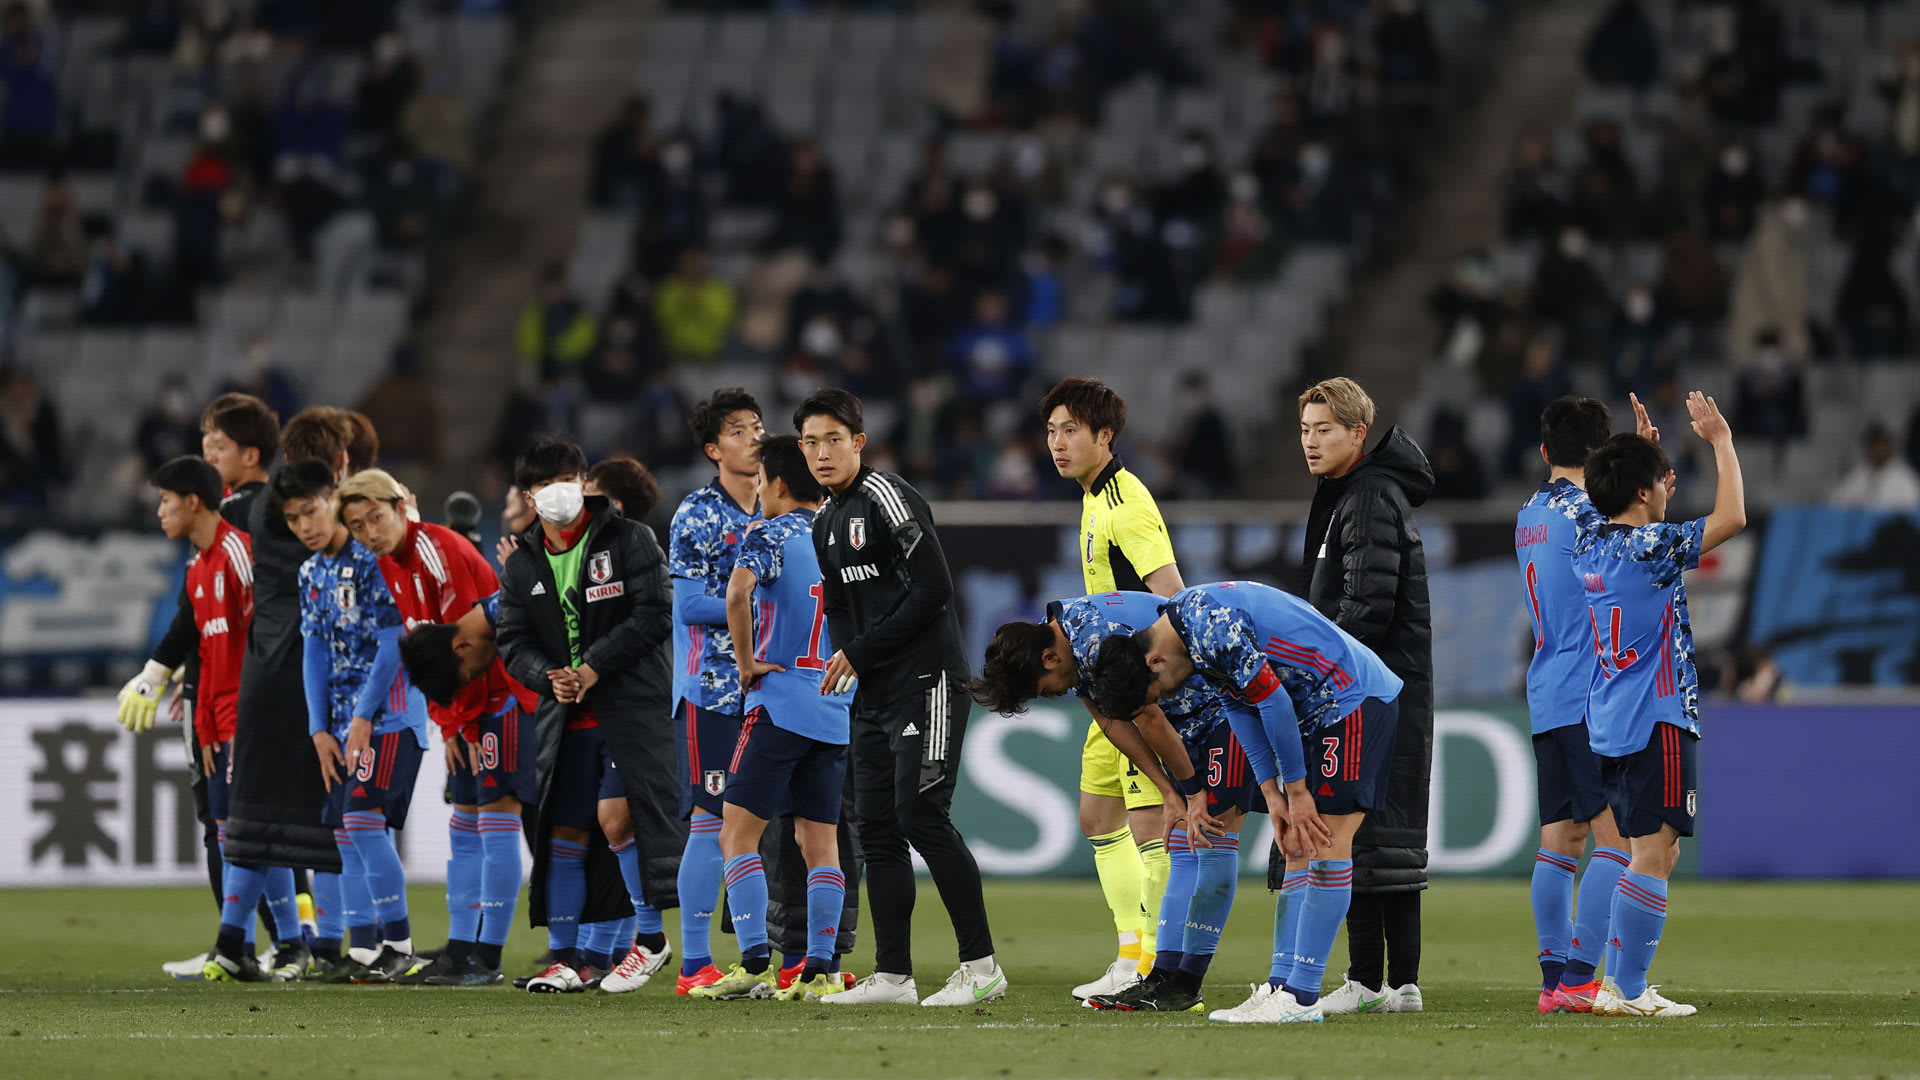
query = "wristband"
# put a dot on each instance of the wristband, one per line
(1189, 787)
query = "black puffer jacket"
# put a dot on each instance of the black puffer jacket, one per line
(1367, 571)
(626, 609)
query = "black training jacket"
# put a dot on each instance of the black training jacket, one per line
(1366, 570)
(889, 595)
(275, 815)
(625, 601)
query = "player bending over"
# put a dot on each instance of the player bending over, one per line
(1321, 700)
(791, 757)
(1048, 659)
(368, 723)
(1643, 712)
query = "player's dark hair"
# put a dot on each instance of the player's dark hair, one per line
(302, 480)
(1011, 675)
(363, 447)
(835, 402)
(548, 458)
(1572, 427)
(1621, 469)
(1089, 401)
(321, 434)
(628, 483)
(426, 651)
(189, 475)
(247, 421)
(1121, 678)
(710, 416)
(783, 459)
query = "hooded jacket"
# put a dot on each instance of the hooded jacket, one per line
(626, 610)
(1366, 570)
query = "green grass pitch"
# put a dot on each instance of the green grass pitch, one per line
(1790, 979)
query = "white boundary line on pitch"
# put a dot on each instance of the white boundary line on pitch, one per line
(1738, 990)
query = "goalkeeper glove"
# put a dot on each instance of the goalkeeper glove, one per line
(140, 698)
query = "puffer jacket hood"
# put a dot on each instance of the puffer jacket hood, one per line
(1402, 460)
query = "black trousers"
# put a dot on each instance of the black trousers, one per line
(905, 757)
(1383, 937)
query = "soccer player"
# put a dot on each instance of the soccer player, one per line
(1324, 702)
(367, 722)
(1572, 801)
(889, 605)
(1123, 545)
(702, 544)
(1643, 712)
(584, 620)
(219, 584)
(1366, 569)
(791, 757)
(435, 575)
(1049, 658)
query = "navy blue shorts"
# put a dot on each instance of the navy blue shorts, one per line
(775, 772)
(578, 775)
(1223, 768)
(1567, 772)
(704, 741)
(383, 781)
(611, 786)
(509, 743)
(1658, 786)
(1347, 761)
(220, 782)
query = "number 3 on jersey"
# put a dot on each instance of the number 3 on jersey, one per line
(811, 660)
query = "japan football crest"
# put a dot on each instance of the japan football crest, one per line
(716, 781)
(343, 596)
(857, 532)
(1693, 802)
(220, 588)
(600, 567)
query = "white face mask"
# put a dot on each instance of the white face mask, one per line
(559, 502)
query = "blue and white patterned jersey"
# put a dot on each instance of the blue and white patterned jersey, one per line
(702, 544)
(1194, 710)
(344, 602)
(1561, 670)
(790, 624)
(1639, 626)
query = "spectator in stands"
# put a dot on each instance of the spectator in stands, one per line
(620, 361)
(1570, 294)
(1770, 288)
(962, 454)
(310, 132)
(1638, 355)
(258, 375)
(1882, 481)
(1872, 308)
(1692, 285)
(661, 435)
(1687, 161)
(202, 206)
(1403, 40)
(437, 123)
(555, 332)
(920, 429)
(1328, 87)
(750, 154)
(1606, 193)
(1464, 308)
(1246, 242)
(1746, 64)
(1623, 49)
(169, 427)
(1457, 471)
(30, 72)
(1323, 198)
(989, 359)
(1535, 191)
(1732, 196)
(59, 250)
(409, 196)
(1770, 399)
(626, 158)
(694, 309)
(1043, 285)
(1277, 148)
(1012, 475)
(389, 81)
(1829, 167)
(807, 207)
(1203, 454)
(116, 288)
(987, 237)
(32, 461)
(674, 215)
(404, 409)
(1542, 378)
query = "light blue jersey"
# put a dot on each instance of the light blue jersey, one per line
(1194, 711)
(1544, 537)
(790, 629)
(1273, 651)
(352, 629)
(702, 543)
(1639, 625)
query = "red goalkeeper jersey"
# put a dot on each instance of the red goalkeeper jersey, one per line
(436, 576)
(220, 588)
